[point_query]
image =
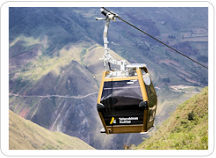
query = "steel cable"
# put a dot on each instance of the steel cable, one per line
(174, 49)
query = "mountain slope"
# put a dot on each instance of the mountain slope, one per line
(54, 63)
(63, 26)
(60, 92)
(27, 135)
(186, 128)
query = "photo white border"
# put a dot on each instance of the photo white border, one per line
(98, 153)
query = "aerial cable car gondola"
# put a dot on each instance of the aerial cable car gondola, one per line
(127, 100)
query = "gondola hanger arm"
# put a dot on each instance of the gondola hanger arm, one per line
(158, 40)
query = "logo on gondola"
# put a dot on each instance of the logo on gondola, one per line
(127, 119)
(113, 121)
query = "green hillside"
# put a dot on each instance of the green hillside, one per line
(24, 134)
(186, 128)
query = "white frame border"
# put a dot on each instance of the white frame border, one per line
(97, 3)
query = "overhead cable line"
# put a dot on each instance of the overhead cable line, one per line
(174, 49)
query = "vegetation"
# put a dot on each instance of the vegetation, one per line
(26, 135)
(58, 53)
(43, 64)
(186, 128)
